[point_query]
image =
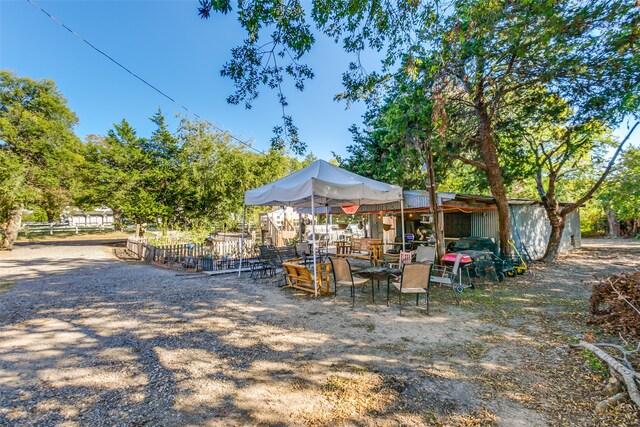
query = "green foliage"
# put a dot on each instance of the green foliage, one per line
(596, 365)
(194, 179)
(40, 156)
(622, 192)
(36, 215)
(592, 219)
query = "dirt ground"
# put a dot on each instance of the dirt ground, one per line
(90, 338)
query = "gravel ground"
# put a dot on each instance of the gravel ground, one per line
(89, 339)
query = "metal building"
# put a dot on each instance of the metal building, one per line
(467, 215)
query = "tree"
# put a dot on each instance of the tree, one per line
(166, 169)
(40, 155)
(119, 175)
(562, 144)
(476, 58)
(218, 172)
(621, 193)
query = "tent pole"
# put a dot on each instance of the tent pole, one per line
(315, 245)
(300, 225)
(326, 226)
(244, 220)
(402, 218)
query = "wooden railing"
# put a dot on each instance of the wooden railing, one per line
(218, 256)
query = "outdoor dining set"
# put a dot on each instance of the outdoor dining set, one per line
(409, 272)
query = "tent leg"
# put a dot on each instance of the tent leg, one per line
(315, 247)
(244, 220)
(402, 219)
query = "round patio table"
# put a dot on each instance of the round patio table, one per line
(378, 273)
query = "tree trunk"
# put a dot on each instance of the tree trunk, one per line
(9, 230)
(614, 225)
(117, 219)
(557, 222)
(494, 176)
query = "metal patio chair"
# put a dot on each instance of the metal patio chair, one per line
(343, 276)
(415, 279)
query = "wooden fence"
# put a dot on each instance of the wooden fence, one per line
(217, 256)
(32, 230)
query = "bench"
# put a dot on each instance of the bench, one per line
(368, 249)
(298, 276)
(363, 245)
(271, 259)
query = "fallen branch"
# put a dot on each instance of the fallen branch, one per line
(610, 401)
(628, 375)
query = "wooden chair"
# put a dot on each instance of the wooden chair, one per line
(343, 276)
(406, 257)
(414, 280)
(298, 276)
(375, 253)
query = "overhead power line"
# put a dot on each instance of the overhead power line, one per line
(61, 24)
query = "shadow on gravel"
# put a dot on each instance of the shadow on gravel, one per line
(102, 342)
(71, 242)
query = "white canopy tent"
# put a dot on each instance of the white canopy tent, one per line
(322, 184)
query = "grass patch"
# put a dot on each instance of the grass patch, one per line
(358, 395)
(597, 366)
(475, 350)
(5, 286)
(369, 327)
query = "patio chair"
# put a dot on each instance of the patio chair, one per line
(450, 276)
(414, 280)
(406, 257)
(303, 250)
(426, 254)
(263, 266)
(343, 276)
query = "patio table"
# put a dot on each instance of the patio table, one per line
(378, 273)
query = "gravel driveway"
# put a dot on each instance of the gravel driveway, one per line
(90, 339)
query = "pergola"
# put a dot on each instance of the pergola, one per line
(322, 184)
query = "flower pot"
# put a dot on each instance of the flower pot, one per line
(386, 227)
(342, 226)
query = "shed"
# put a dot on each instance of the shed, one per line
(466, 215)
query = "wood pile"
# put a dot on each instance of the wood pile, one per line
(615, 304)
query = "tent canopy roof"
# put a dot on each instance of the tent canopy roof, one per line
(327, 184)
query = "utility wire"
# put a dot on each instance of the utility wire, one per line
(61, 24)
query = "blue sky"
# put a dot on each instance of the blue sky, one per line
(166, 43)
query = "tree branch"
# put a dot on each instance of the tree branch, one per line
(475, 163)
(570, 208)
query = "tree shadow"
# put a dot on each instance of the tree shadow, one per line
(103, 341)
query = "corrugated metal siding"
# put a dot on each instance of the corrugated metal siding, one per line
(530, 226)
(572, 238)
(485, 224)
(413, 199)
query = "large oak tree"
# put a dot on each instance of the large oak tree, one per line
(477, 57)
(40, 156)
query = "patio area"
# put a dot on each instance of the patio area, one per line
(89, 339)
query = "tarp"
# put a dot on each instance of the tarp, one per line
(328, 184)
